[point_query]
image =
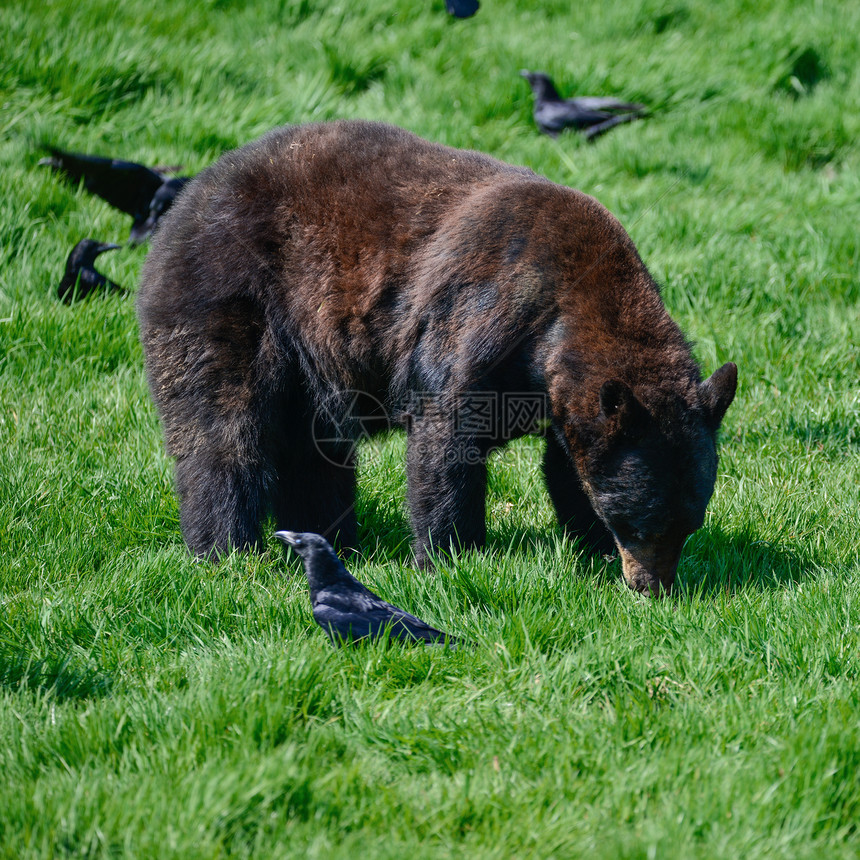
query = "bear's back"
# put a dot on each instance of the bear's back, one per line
(325, 170)
(311, 222)
(331, 192)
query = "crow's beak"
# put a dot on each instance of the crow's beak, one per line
(524, 73)
(139, 232)
(290, 538)
(108, 246)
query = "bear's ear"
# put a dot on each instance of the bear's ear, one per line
(620, 408)
(717, 392)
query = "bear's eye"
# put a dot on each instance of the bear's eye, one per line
(638, 535)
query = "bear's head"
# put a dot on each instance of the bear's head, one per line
(649, 471)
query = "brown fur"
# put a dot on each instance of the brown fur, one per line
(354, 255)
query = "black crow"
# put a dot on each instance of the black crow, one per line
(161, 201)
(81, 277)
(344, 608)
(140, 191)
(592, 115)
(462, 8)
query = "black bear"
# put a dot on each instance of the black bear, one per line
(449, 289)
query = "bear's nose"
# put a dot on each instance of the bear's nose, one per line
(650, 569)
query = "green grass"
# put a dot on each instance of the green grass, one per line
(151, 706)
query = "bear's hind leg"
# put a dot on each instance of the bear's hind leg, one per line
(314, 490)
(215, 400)
(575, 513)
(221, 503)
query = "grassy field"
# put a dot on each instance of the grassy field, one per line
(155, 707)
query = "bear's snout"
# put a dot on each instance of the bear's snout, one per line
(650, 570)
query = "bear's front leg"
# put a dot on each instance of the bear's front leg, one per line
(574, 511)
(447, 486)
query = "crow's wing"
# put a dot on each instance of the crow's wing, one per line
(602, 103)
(555, 116)
(462, 8)
(160, 202)
(345, 611)
(79, 284)
(124, 184)
(595, 130)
